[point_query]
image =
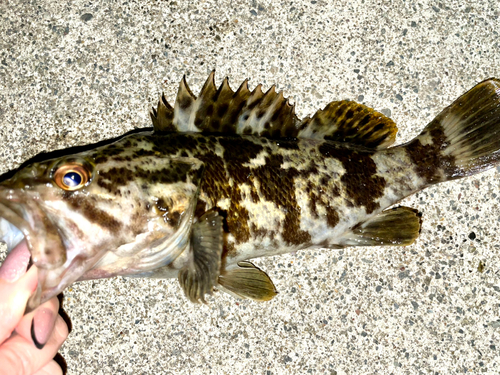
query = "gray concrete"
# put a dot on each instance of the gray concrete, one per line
(74, 72)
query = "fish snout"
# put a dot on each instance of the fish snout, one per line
(24, 212)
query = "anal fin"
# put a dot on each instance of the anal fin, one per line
(394, 227)
(248, 281)
(199, 275)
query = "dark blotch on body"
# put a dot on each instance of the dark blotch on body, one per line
(104, 154)
(237, 217)
(277, 185)
(288, 143)
(221, 111)
(360, 179)
(258, 232)
(92, 213)
(428, 159)
(239, 151)
(113, 179)
(141, 152)
(313, 200)
(215, 181)
(332, 217)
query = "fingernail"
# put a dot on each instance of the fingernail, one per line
(59, 359)
(42, 326)
(63, 313)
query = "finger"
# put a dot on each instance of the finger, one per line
(38, 325)
(51, 368)
(14, 266)
(59, 359)
(14, 297)
(19, 356)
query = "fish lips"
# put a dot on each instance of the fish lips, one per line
(43, 238)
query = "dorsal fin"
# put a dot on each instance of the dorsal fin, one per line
(351, 122)
(163, 116)
(269, 115)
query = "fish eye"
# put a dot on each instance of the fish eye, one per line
(71, 176)
(72, 179)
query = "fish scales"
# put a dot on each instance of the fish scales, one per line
(279, 195)
(230, 176)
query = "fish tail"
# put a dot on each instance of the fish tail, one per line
(464, 139)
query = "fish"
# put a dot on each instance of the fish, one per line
(228, 176)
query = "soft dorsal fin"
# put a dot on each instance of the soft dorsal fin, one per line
(269, 114)
(351, 122)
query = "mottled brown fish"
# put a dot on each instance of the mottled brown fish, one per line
(231, 176)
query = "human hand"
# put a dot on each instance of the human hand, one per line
(28, 343)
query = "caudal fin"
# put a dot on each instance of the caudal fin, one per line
(464, 139)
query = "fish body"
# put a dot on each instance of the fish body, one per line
(231, 176)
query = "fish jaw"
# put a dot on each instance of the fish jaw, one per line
(24, 213)
(26, 216)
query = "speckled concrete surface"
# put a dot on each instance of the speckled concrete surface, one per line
(74, 72)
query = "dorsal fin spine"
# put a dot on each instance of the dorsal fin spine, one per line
(243, 87)
(200, 113)
(182, 106)
(165, 101)
(273, 107)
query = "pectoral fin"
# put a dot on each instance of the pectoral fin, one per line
(395, 227)
(199, 276)
(248, 281)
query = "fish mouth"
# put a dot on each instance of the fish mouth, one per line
(41, 234)
(21, 217)
(13, 221)
(13, 227)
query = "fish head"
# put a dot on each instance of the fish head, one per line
(99, 213)
(31, 202)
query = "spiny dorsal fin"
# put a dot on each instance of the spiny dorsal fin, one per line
(163, 116)
(351, 122)
(269, 115)
(184, 106)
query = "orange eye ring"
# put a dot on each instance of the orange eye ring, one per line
(71, 176)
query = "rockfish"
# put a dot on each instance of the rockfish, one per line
(229, 176)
